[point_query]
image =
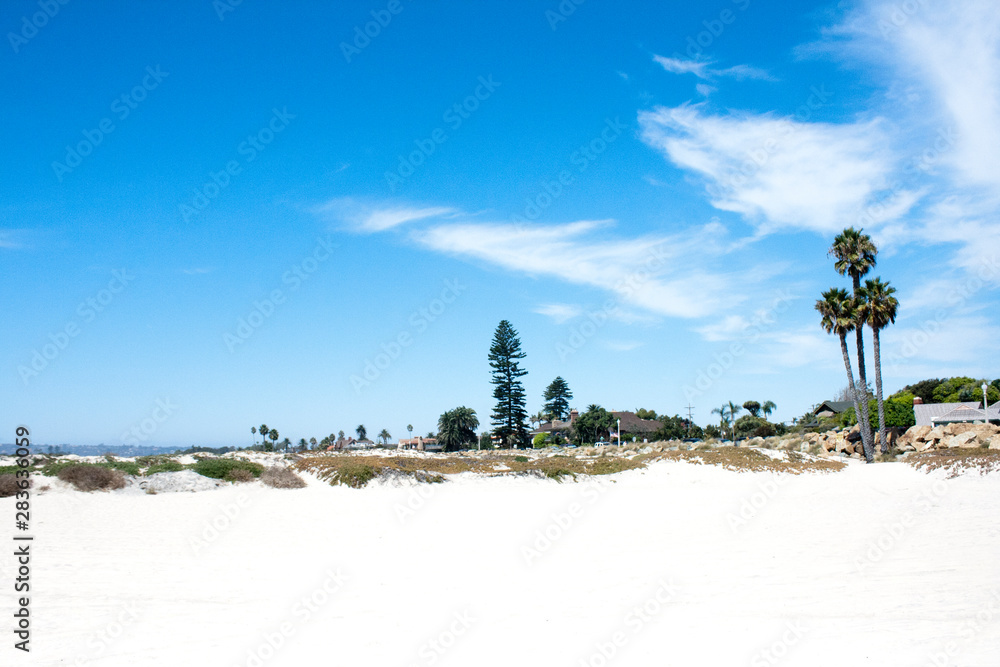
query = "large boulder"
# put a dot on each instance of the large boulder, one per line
(936, 433)
(924, 445)
(918, 433)
(966, 440)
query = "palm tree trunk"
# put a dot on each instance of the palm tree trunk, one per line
(878, 395)
(854, 393)
(862, 415)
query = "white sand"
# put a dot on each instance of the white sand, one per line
(127, 579)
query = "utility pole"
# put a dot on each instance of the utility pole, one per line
(689, 409)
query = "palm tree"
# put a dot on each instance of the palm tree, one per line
(879, 311)
(725, 415)
(855, 253)
(384, 436)
(457, 428)
(273, 435)
(285, 444)
(303, 444)
(537, 418)
(361, 431)
(253, 431)
(409, 429)
(838, 317)
(263, 430)
(767, 408)
(312, 442)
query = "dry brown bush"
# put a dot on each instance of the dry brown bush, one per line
(282, 478)
(239, 475)
(9, 487)
(92, 478)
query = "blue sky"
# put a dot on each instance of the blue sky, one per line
(215, 215)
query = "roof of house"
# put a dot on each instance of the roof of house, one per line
(965, 413)
(632, 424)
(926, 413)
(836, 407)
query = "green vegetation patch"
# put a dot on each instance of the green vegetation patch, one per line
(747, 459)
(222, 468)
(165, 466)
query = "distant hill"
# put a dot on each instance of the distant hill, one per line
(91, 450)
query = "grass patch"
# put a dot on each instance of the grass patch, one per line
(165, 466)
(89, 477)
(127, 467)
(222, 468)
(53, 467)
(957, 461)
(747, 459)
(11, 470)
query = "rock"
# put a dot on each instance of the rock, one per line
(918, 433)
(994, 442)
(906, 447)
(647, 450)
(924, 445)
(936, 433)
(968, 440)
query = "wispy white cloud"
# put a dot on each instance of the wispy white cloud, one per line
(778, 172)
(368, 218)
(560, 313)
(703, 69)
(654, 273)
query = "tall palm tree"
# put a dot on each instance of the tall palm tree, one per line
(767, 408)
(879, 311)
(312, 441)
(384, 436)
(855, 253)
(253, 432)
(273, 435)
(838, 317)
(361, 431)
(409, 429)
(263, 430)
(303, 444)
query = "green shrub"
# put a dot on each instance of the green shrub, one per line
(521, 459)
(88, 477)
(220, 468)
(540, 440)
(53, 468)
(126, 467)
(10, 470)
(165, 466)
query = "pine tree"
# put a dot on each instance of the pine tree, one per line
(557, 397)
(509, 414)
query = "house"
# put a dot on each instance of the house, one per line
(557, 425)
(641, 428)
(420, 444)
(932, 414)
(832, 408)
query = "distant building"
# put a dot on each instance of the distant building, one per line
(642, 428)
(832, 408)
(932, 414)
(420, 444)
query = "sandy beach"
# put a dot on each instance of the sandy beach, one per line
(675, 564)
